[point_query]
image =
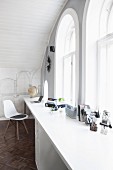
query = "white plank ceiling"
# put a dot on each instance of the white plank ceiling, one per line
(25, 27)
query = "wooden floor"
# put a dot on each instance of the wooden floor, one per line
(16, 154)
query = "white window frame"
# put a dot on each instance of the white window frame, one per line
(91, 43)
(104, 41)
(74, 15)
(71, 54)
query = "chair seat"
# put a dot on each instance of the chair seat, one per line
(19, 117)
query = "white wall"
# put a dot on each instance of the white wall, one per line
(14, 85)
(78, 6)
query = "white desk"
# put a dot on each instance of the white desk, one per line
(78, 147)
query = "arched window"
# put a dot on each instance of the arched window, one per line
(91, 23)
(105, 59)
(66, 57)
(98, 59)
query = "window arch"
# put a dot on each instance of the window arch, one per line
(91, 34)
(105, 59)
(66, 61)
(98, 30)
(99, 50)
(110, 19)
(105, 24)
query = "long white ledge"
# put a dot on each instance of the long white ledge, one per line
(78, 147)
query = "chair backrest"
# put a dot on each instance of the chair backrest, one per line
(9, 108)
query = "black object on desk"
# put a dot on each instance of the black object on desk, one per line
(52, 105)
(61, 105)
(38, 101)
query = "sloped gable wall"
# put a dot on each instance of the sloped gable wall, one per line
(25, 27)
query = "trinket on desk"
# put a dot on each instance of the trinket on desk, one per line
(93, 126)
(93, 119)
(105, 122)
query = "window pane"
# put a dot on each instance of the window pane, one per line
(67, 79)
(69, 45)
(102, 78)
(106, 78)
(110, 80)
(73, 79)
(72, 40)
(110, 22)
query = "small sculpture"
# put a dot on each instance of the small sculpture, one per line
(90, 118)
(92, 121)
(93, 126)
(32, 91)
(105, 122)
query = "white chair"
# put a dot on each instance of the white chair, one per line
(12, 114)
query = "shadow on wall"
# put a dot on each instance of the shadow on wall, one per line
(15, 87)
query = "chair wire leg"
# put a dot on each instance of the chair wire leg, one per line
(7, 127)
(17, 130)
(25, 126)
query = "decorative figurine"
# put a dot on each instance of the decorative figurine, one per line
(93, 126)
(90, 118)
(105, 122)
(93, 119)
